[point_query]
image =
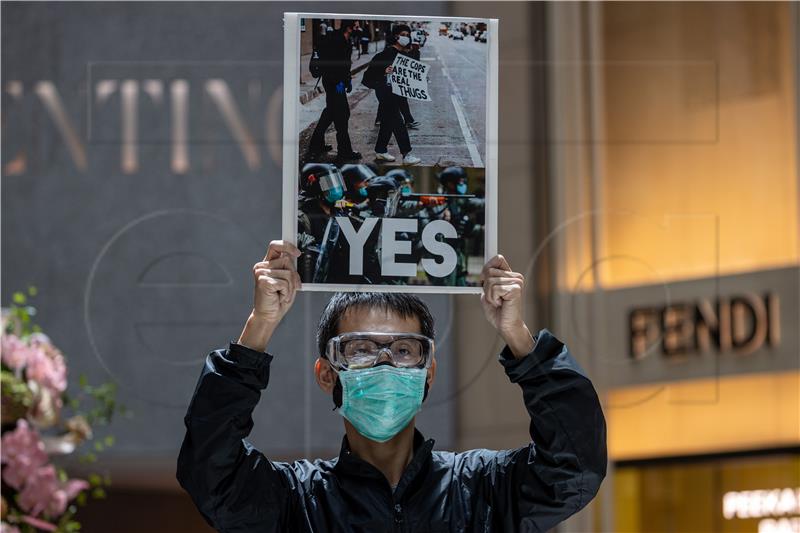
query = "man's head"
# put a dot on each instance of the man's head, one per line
(383, 310)
(390, 313)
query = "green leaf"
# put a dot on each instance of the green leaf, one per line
(19, 298)
(99, 493)
(109, 440)
(95, 480)
(32, 290)
(88, 457)
(82, 381)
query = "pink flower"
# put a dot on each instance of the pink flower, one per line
(43, 492)
(6, 528)
(22, 452)
(15, 352)
(46, 365)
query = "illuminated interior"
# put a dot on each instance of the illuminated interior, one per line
(697, 143)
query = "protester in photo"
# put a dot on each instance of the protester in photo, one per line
(355, 38)
(389, 114)
(335, 54)
(377, 362)
(415, 53)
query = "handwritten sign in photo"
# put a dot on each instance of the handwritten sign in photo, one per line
(409, 78)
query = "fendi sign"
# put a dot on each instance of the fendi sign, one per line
(740, 324)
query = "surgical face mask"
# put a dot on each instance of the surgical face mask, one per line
(380, 401)
(362, 192)
(461, 188)
(334, 194)
(405, 189)
(403, 40)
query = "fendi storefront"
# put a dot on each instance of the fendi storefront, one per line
(676, 250)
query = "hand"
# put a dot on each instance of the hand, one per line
(276, 281)
(276, 285)
(389, 69)
(502, 301)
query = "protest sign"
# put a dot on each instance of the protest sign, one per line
(409, 78)
(384, 193)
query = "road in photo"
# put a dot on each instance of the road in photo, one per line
(452, 126)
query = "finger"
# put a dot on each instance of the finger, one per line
(497, 262)
(508, 292)
(492, 272)
(276, 248)
(273, 285)
(496, 287)
(286, 275)
(284, 262)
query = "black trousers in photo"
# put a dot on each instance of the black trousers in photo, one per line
(405, 110)
(392, 122)
(336, 112)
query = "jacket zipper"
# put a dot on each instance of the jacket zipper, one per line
(398, 516)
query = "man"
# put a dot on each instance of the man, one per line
(335, 58)
(389, 115)
(377, 362)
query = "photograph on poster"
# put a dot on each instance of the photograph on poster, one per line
(388, 184)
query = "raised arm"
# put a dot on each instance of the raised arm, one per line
(535, 487)
(233, 485)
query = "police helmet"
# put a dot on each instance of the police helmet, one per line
(452, 175)
(356, 173)
(400, 176)
(322, 180)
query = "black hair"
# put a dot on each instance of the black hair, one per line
(346, 23)
(404, 305)
(398, 28)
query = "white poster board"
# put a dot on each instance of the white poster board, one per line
(409, 78)
(385, 221)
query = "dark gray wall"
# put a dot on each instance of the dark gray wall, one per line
(143, 270)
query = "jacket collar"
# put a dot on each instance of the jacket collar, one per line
(352, 465)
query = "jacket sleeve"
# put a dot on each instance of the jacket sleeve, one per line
(232, 484)
(535, 487)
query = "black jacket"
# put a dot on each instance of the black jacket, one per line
(335, 58)
(531, 488)
(375, 75)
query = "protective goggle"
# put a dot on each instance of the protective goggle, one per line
(363, 349)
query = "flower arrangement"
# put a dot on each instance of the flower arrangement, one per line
(37, 495)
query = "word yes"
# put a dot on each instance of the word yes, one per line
(390, 227)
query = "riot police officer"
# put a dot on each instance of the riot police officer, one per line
(322, 189)
(356, 177)
(466, 214)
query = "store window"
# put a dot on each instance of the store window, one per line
(755, 494)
